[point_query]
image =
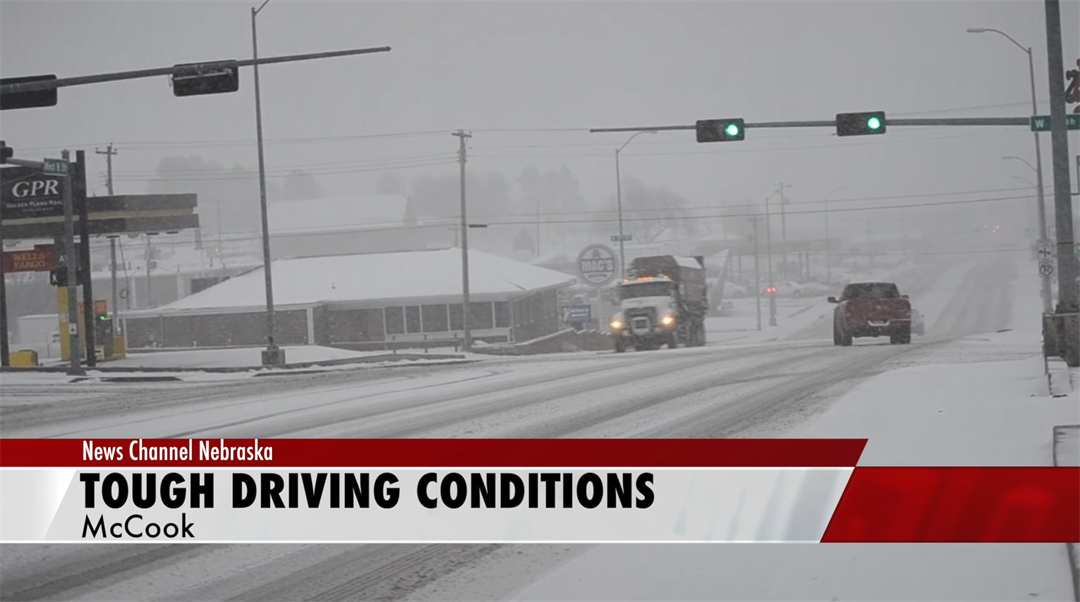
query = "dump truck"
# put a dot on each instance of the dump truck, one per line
(662, 301)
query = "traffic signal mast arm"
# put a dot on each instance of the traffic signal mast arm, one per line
(194, 69)
(831, 123)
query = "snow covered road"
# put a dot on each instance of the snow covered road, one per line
(717, 391)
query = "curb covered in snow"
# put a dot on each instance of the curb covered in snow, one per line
(373, 359)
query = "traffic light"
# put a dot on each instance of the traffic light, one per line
(59, 277)
(27, 100)
(208, 78)
(721, 130)
(6, 152)
(860, 124)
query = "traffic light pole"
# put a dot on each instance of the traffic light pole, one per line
(74, 351)
(831, 123)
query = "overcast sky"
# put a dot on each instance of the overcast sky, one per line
(516, 74)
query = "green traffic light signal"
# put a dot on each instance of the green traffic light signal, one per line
(860, 124)
(720, 130)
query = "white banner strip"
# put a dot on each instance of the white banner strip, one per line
(418, 506)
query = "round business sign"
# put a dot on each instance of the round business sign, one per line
(596, 263)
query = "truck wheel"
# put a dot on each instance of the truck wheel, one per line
(844, 338)
(701, 335)
(901, 337)
(620, 346)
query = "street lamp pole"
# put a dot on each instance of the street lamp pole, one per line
(1043, 237)
(828, 254)
(1044, 233)
(618, 201)
(768, 254)
(272, 356)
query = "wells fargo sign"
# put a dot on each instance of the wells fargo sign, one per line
(33, 260)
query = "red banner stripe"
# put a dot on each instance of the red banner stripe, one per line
(458, 453)
(958, 505)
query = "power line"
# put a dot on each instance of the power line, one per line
(290, 167)
(226, 177)
(167, 144)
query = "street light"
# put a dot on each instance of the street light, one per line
(272, 356)
(828, 258)
(618, 197)
(1043, 236)
(1044, 233)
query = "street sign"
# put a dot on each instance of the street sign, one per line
(622, 237)
(577, 314)
(73, 328)
(1046, 269)
(596, 264)
(55, 167)
(1041, 123)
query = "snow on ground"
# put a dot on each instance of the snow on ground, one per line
(982, 411)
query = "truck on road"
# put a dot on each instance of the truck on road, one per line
(662, 301)
(871, 309)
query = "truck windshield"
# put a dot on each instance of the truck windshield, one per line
(872, 291)
(645, 289)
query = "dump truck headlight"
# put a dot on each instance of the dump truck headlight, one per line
(667, 320)
(616, 325)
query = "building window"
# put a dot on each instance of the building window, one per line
(395, 320)
(456, 323)
(502, 314)
(412, 319)
(480, 316)
(435, 318)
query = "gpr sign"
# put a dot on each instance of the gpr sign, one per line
(27, 194)
(596, 263)
(36, 188)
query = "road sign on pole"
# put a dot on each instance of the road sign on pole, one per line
(622, 237)
(55, 167)
(1046, 269)
(597, 265)
(1041, 123)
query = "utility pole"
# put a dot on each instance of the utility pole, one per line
(109, 153)
(74, 351)
(757, 271)
(465, 306)
(768, 251)
(1068, 265)
(783, 216)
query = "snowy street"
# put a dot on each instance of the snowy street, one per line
(798, 385)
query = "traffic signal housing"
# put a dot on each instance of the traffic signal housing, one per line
(27, 100)
(210, 78)
(721, 130)
(59, 277)
(6, 152)
(860, 124)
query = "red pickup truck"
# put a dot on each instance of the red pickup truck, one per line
(871, 309)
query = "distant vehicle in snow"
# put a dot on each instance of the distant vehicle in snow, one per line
(918, 326)
(871, 309)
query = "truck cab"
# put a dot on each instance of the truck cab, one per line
(661, 303)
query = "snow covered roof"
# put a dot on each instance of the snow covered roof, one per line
(373, 279)
(687, 262)
(337, 214)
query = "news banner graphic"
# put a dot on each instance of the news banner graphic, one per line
(513, 491)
